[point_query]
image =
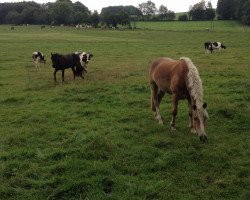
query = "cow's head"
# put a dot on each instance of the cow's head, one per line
(85, 58)
(38, 56)
(223, 46)
(42, 59)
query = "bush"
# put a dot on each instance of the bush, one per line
(183, 17)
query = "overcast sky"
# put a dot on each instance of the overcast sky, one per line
(174, 5)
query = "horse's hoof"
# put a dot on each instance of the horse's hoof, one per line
(203, 138)
(173, 128)
(192, 130)
(158, 118)
(160, 121)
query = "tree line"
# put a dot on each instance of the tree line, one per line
(234, 9)
(66, 12)
(60, 12)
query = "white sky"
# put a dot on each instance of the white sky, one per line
(174, 5)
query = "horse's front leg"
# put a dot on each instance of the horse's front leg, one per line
(190, 114)
(155, 103)
(160, 96)
(174, 111)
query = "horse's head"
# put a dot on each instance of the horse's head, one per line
(200, 117)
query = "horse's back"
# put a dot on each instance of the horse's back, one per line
(168, 74)
(163, 67)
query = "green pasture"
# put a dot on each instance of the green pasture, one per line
(218, 26)
(96, 138)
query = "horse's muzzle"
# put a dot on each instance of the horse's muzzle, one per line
(203, 138)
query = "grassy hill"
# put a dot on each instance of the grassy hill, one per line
(97, 139)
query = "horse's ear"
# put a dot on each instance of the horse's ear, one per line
(194, 107)
(204, 105)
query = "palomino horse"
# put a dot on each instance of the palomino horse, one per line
(181, 79)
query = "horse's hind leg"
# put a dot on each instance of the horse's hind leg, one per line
(155, 102)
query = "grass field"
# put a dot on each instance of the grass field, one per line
(97, 139)
(218, 26)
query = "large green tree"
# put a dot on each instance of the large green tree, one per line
(163, 12)
(62, 11)
(13, 17)
(226, 9)
(209, 12)
(130, 10)
(197, 11)
(246, 13)
(81, 13)
(201, 11)
(148, 9)
(94, 19)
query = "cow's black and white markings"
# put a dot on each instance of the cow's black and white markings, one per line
(85, 58)
(76, 61)
(211, 46)
(38, 58)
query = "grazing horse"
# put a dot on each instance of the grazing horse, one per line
(181, 79)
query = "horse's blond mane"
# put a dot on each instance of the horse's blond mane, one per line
(194, 83)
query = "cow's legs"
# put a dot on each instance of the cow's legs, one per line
(82, 76)
(55, 74)
(74, 72)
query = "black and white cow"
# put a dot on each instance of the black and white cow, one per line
(76, 61)
(211, 46)
(38, 58)
(84, 59)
